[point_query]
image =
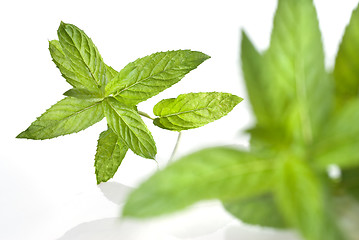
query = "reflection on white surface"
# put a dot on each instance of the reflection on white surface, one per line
(203, 221)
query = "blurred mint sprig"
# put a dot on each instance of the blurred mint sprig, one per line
(306, 120)
(100, 91)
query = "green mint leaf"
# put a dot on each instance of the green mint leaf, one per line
(346, 71)
(83, 56)
(222, 173)
(63, 64)
(339, 140)
(193, 110)
(128, 125)
(67, 116)
(260, 210)
(110, 152)
(298, 85)
(82, 94)
(148, 76)
(252, 67)
(300, 198)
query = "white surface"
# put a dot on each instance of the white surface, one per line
(48, 188)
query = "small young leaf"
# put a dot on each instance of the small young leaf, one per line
(193, 110)
(67, 116)
(301, 200)
(340, 139)
(110, 73)
(346, 71)
(83, 56)
(222, 173)
(109, 155)
(62, 63)
(260, 210)
(128, 125)
(148, 76)
(82, 94)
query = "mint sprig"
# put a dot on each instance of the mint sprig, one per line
(100, 91)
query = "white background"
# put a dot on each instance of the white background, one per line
(48, 187)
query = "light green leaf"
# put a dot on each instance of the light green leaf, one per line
(82, 94)
(83, 56)
(260, 210)
(70, 115)
(62, 63)
(128, 125)
(340, 139)
(110, 152)
(301, 199)
(148, 76)
(222, 173)
(252, 67)
(298, 85)
(346, 71)
(193, 110)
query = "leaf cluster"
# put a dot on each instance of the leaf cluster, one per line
(98, 91)
(306, 121)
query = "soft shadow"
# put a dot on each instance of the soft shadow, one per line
(115, 192)
(111, 229)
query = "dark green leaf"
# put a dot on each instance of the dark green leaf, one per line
(346, 71)
(83, 56)
(260, 210)
(221, 172)
(109, 155)
(69, 115)
(148, 76)
(128, 125)
(193, 110)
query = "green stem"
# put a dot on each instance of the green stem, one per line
(145, 115)
(176, 147)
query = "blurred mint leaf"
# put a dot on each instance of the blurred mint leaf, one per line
(201, 176)
(252, 67)
(150, 75)
(298, 85)
(301, 199)
(259, 210)
(340, 139)
(193, 110)
(346, 70)
(70, 115)
(128, 125)
(110, 152)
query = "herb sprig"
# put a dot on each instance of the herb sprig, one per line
(100, 92)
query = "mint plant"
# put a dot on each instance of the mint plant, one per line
(306, 122)
(100, 91)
